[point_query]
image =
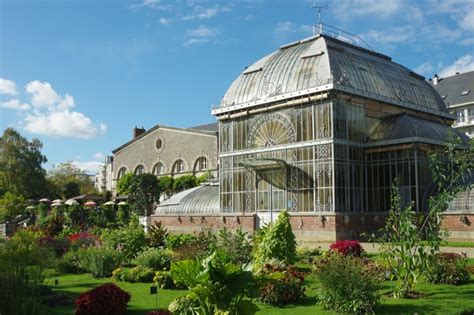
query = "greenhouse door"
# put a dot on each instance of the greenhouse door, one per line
(270, 199)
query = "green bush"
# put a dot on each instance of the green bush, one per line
(277, 243)
(287, 287)
(22, 265)
(135, 274)
(174, 241)
(185, 305)
(154, 258)
(99, 261)
(347, 285)
(129, 240)
(156, 235)
(449, 268)
(236, 245)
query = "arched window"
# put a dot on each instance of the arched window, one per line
(201, 164)
(121, 172)
(140, 169)
(158, 169)
(178, 167)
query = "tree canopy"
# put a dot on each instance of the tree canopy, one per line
(70, 181)
(21, 171)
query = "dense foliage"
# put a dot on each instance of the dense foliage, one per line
(285, 289)
(144, 193)
(347, 248)
(449, 268)
(105, 299)
(347, 285)
(154, 258)
(69, 181)
(156, 235)
(278, 243)
(129, 240)
(135, 274)
(99, 261)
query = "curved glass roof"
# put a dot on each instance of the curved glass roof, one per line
(197, 200)
(322, 60)
(405, 126)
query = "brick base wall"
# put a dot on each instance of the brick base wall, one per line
(310, 228)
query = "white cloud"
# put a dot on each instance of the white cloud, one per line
(63, 123)
(287, 28)
(15, 104)
(390, 36)
(165, 21)
(152, 4)
(201, 35)
(7, 87)
(468, 41)
(43, 95)
(203, 13)
(467, 23)
(461, 65)
(91, 167)
(379, 8)
(99, 156)
(426, 68)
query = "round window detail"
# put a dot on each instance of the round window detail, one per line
(159, 144)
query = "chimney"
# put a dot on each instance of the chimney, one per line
(137, 131)
(435, 79)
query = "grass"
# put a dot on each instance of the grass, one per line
(435, 299)
(459, 244)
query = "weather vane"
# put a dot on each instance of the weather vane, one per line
(319, 7)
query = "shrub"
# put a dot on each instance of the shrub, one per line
(69, 263)
(129, 240)
(156, 236)
(195, 247)
(236, 245)
(285, 289)
(52, 225)
(154, 258)
(99, 261)
(165, 281)
(278, 242)
(174, 241)
(82, 239)
(449, 268)
(57, 246)
(105, 299)
(135, 274)
(347, 286)
(307, 253)
(185, 305)
(348, 248)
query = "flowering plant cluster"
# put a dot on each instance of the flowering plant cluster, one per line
(105, 299)
(449, 268)
(286, 289)
(82, 239)
(345, 248)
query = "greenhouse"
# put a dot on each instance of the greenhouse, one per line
(325, 126)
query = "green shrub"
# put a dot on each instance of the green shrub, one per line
(135, 274)
(164, 280)
(278, 243)
(185, 305)
(449, 268)
(347, 285)
(236, 245)
(154, 258)
(174, 241)
(99, 261)
(69, 263)
(129, 240)
(156, 235)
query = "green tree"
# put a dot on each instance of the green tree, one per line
(11, 205)
(70, 180)
(21, 171)
(411, 241)
(278, 242)
(144, 193)
(184, 182)
(166, 185)
(123, 185)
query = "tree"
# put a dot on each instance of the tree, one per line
(410, 242)
(144, 193)
(123, 185)
(184, 182)
(70, 180)
(21, 171)
(11, 205)
(166, 185)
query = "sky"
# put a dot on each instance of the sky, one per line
(79, 75)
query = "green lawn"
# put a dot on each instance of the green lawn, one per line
(436, 299)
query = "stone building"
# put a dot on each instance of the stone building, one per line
(164, 150)
(457, 91)
(321, 128)
(103, 180)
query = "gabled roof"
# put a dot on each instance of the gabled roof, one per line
(320, 61)
(451, 88)
(203, 129)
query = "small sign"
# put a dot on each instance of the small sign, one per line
(153, 290)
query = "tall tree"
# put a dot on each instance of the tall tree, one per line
(70, 180)
(144, 193)
(21, 171)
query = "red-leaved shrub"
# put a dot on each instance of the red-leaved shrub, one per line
(285, 290)
(105, 299)
(82, 239)
(347, 248)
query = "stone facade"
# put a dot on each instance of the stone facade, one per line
(168, 146)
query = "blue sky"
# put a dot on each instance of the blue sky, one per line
(79, 75)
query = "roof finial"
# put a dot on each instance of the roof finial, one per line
(320, 23)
